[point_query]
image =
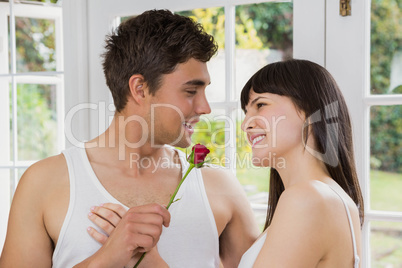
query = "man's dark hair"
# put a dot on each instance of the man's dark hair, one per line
(152, 44)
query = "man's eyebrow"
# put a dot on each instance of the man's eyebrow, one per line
(195, 82)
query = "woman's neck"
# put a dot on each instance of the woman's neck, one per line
(300, 167)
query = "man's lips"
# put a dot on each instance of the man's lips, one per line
(193, 122)
(189, 125)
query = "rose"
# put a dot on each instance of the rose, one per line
(196, 159)
(198, 154)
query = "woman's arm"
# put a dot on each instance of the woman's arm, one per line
(298, 234)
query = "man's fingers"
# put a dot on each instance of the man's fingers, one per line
(153, 209)
(145, 242)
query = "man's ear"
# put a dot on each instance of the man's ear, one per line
(137, 86)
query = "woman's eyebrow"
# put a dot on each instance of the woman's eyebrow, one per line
(256, 99)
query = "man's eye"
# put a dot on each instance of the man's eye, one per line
(191, 92)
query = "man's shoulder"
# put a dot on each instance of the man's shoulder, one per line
(56, 163)
(217, 178)
(45, 173)
(218, 173)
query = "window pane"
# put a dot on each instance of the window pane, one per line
(35, 41)
(386, 244)
(57, 2)
(213, 21)
(10, 119)
(5, 185)
(386, 158)
(264, 34)
(386, 47)
(255, 180)
(4, 121)
(15, 176)
(210, 131)
(36, 121)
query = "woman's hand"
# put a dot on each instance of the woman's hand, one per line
(108, 216)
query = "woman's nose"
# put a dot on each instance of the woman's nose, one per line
(248, 123)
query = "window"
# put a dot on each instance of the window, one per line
(31, 92)
(249, 37)
(385, 116)
(341, 44)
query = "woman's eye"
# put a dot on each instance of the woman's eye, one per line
(259, 105)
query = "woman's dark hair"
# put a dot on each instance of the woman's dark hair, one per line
(152, 44)
(314, 91)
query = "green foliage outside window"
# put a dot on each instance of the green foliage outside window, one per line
(386, 123)
(262, 26)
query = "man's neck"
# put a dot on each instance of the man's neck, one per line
(123, 144)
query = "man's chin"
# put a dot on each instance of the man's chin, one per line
(183, 143)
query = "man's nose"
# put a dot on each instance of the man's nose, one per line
(202, 105)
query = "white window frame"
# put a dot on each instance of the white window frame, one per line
(103, 16)
(9, 166)
(348, 60)
(341, 44)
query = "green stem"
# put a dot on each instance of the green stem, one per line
(178, 186)
(170, 202)
(140, 260)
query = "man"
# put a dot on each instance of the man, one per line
(155, 67)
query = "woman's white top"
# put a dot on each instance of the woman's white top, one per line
(251, 254)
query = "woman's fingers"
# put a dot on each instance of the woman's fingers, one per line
(107, 213)
(101, 238)
(107, 216)
(138, 228)
(104, 224)
(118, 209)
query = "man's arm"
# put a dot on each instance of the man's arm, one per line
(233, 214)
(27, 242)
(39, 207)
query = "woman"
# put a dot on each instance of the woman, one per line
(298, 124)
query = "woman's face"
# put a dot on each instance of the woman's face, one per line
(274, 128)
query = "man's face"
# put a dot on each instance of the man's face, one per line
(178, 104)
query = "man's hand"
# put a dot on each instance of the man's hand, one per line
(135, 231)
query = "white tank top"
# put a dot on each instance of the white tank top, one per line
(191, 240)
(249, 258)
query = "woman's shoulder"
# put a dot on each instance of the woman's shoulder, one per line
(313, 197)
(308, 191)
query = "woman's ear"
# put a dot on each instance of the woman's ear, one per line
(137, 87)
